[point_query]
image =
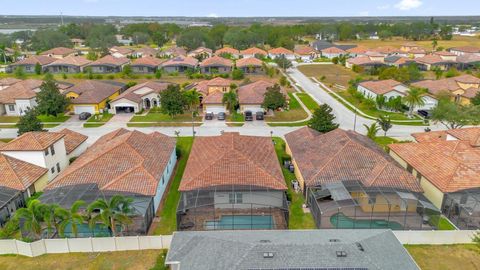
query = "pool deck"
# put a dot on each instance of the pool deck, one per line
(198, 217)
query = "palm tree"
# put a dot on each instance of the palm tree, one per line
(192, 97)
(385, 123)
(70, 217)
(372, 130)
(230, 99)
(50, 218)
(32, 218)
(414, 98)
(434, 44)
(112, 212)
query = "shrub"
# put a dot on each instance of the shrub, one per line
(111, 77)
(237, 74)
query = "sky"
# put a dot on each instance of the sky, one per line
(241, 8)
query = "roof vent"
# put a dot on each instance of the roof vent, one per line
(341, 254)
(360, 247)
(265, 241)
(334, 240)
(268, 255)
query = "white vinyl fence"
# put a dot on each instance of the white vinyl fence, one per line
(434, 237)
(101, 244)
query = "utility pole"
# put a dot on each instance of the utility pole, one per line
(61, 17)
(355, 120)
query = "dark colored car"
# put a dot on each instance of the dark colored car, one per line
(221, 116)
(208, 116)
(248, 116)
(425, 114)
(84, 115)
(259, 116)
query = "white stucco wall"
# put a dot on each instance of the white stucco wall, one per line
(163, 181)
(258, 198)
(34, 157)
(78, 151)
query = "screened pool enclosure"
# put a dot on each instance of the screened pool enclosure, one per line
(463, 208)
(350, 205)
(232, 208)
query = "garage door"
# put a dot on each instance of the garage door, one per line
(80, 109)
(215, 108)
(253, 109)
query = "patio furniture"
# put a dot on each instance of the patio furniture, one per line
(186, 225)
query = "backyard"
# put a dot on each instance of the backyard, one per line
(142, 259)
(444, 257)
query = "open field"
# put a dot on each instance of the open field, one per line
(334, 74)
(446, 257)
(427, 44)
(142, 259)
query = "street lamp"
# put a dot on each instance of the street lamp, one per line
(355, 119)
(194, 114)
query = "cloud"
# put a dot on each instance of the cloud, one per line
(384, 7)
(408, 4)
(212, 15)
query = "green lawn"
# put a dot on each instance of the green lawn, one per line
(49, 118)
(443, 224)
(236, 117)
(383, 141)
(8, 126)
(168, 217)
(5, 140)
(162, 124)
(160, 117)
(308, 101)
(446, 257)
(295, 113)
(297, 124)
(98, 120)
(9, 119)
(298, 219)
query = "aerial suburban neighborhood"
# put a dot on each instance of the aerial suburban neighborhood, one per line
(294, 135)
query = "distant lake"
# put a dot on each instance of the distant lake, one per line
(9, 31)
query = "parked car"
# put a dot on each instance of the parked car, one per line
(248, 116)
(259, 115)
(208, 115)
(221, 116)
(424, 113)
(84, 115)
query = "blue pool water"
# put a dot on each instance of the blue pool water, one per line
(241, 222)
(340, 221)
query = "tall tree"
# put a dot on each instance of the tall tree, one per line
(50, 218)
(274, 98)
(385, 123)
(192, 98)
(414, 98)
(283, 62)
(453, 115)
(43, 40)
(49, 100)
(172, 101)
(476, 99)
(29, 122)
(113, 212)
(230, 100)
(71, 217)
(323, 119)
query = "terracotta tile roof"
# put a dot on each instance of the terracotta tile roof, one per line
(181, 61)
(466, 49)
(122, 50)
(148, 61)
(131, 162)
(72, 139)
(254, 93)
(78, 61)
(135, 95)
(468, 58)
(33, 141)
(444, 53)
(362, 60)
(385, 50)
(253, 51)
(432, 59)
(449, 165)
(417, 51)
(227, 50)
(216, 61)
(213, 98)
(176, 51)
(333, 50)
(20, 90)
(147, 51)
(203, 86)
(435, 87)
(251, 61)
(380, 87)
(201, 50)
(59, 51)
(34, 59)
(17, 174)
(304, 50)
(346, 156)
(92, 92)
(358, 50)
(471, 135)
(111, 61)
(9, 81)
(231, 159)
(280, 50)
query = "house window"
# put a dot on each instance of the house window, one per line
(409, 168)
(46, 152)
(419, 176)
(235, 198)
(11, 108)
(52, 169)
(231, 198)
(163, 180)
(239, 197)
(58, 167)
(52, 149)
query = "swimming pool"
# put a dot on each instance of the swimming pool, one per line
(241, 222)
(345, 222)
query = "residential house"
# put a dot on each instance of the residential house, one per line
(253, 52)
(28, 64)
(172, 52)
(145, 52)
(44, 149)
(386, 50)
(319, 45)
(252, 95)
(6, 82)
(128, 163)
(93, 96)
(465, 50)
(60, 52)
(332, 52)
(232, 176)
(350, 182)
(147, 64)
(357, 51)
(120, 52)
(180, 64)
(78, 42)
(292, 249)
(139, 97)
(18, 181)
(227, 51)
(200, 53)
(125, 41)
(216, 64)
(447, 166)
(18, 98)
(442, 60)
(409, 46)
(461, 88)
(398, 61)
(250, 65)
(69, 64)
(392, 89)
(281, 52)
(370, 60)
(416, 53)
(468, 61)
(305, 53)
(75, 143)
(109, 64)
(211, 92)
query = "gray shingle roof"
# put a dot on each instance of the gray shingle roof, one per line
(290, 249)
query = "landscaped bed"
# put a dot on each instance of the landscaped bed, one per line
(154, 116)
(98, 120)
(446, 257)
